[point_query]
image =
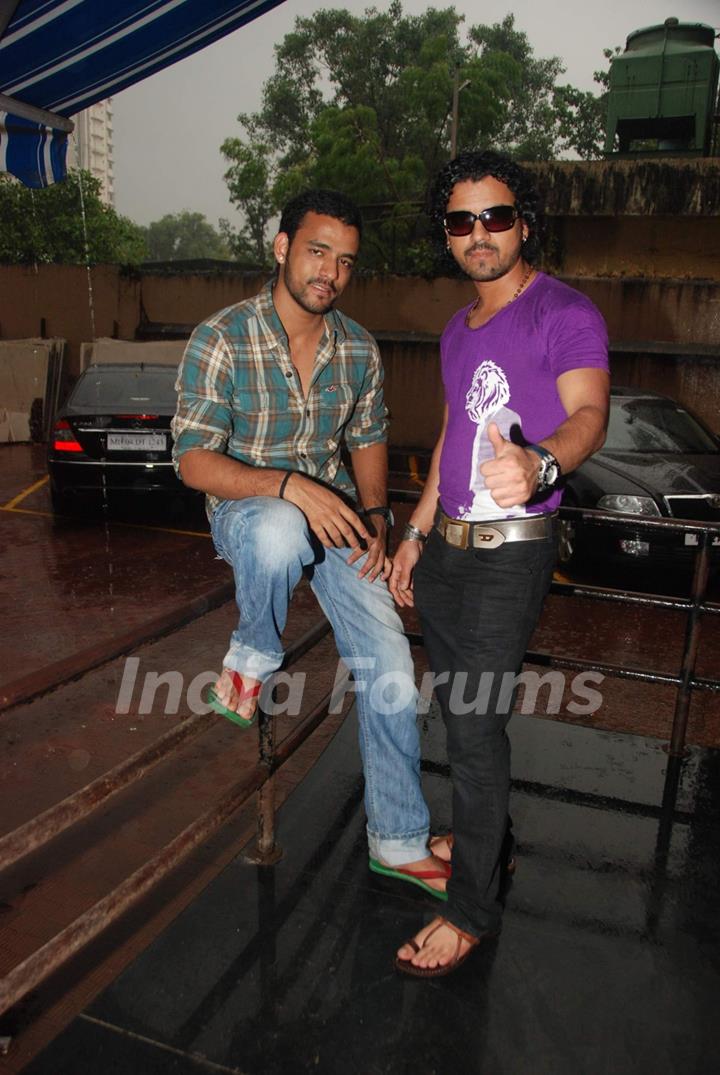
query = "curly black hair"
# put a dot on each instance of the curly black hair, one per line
(477, 164)
(326, 202)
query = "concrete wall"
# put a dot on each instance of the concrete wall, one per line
(56, 297)
(414, 392)
(641, 238)
(641, 313)
(652, 247)
(671, 188)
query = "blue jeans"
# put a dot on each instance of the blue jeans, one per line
(478, 609)
(269, 546)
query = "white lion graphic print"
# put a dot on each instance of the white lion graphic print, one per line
(486, 402)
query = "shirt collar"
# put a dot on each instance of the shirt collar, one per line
(334, 323)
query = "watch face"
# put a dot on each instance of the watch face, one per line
(551, 474)
(548, 474)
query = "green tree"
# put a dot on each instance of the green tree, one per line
(66, 222)
(363, 104)
(249, 182)
(185, 235)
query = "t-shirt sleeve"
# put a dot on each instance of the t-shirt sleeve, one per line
(203, 418)
(578, 338)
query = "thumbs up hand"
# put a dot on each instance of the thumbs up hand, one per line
(511, 477)
(497, 440)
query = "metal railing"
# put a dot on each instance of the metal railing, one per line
(39, 831)
(695, 605)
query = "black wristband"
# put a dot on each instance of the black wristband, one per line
(283, 483)
(382, 510)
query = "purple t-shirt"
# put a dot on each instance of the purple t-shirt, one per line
(506, 372)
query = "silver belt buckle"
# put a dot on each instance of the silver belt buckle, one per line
(487, 537)
(456, 533)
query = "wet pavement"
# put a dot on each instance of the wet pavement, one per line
(70, 584)
(72, 587)
(609, 959)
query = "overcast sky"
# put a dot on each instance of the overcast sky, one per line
(168, 129)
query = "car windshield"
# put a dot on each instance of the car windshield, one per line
(133, 389)
(655, 425)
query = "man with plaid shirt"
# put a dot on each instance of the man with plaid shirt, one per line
(268, 390)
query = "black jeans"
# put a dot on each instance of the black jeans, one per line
(478, 609)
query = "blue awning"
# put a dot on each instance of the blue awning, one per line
(61, 56)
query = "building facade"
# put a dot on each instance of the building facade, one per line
(90, 146)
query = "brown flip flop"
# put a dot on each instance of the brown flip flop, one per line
(449, 839)
(408, 967)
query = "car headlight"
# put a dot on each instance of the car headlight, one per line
(632, 505)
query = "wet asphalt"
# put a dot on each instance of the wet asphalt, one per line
(608, 960)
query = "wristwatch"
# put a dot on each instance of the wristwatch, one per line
(549, 473)
(382, 510)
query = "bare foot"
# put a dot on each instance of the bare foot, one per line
(441, 847)
(238, 693)
(438, 945)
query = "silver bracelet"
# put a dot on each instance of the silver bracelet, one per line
(413, 533)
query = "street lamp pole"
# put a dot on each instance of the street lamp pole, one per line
(454, 126)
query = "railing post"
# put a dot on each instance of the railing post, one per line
(676, 748)
(265, 852)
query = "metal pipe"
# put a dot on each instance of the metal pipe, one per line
(599, 593)
(41, 964)
(35, 114)
(265, 845)
(606, 667)
(86, 927)
(457, 89)
(287, 746)
(266, 852)
(690, 651)
(43, 828)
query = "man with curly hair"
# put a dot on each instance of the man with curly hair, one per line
(525, 373)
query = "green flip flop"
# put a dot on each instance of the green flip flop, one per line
(214, 702)
(419, 877)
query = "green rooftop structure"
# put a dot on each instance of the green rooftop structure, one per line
(663, 89)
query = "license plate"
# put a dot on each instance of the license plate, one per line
(136, 442)
(692, 539)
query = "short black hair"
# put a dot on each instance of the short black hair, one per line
(326, 202)
(477, 164)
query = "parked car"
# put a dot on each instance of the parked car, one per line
(658, 460)
(113, 437)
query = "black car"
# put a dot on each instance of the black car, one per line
(112, 436)
(658, 460)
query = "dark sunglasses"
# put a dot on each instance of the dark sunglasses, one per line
(497, 218)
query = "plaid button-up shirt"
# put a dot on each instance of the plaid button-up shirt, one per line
(239, 394)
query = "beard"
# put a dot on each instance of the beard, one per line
(304, 297)
(492, 267)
